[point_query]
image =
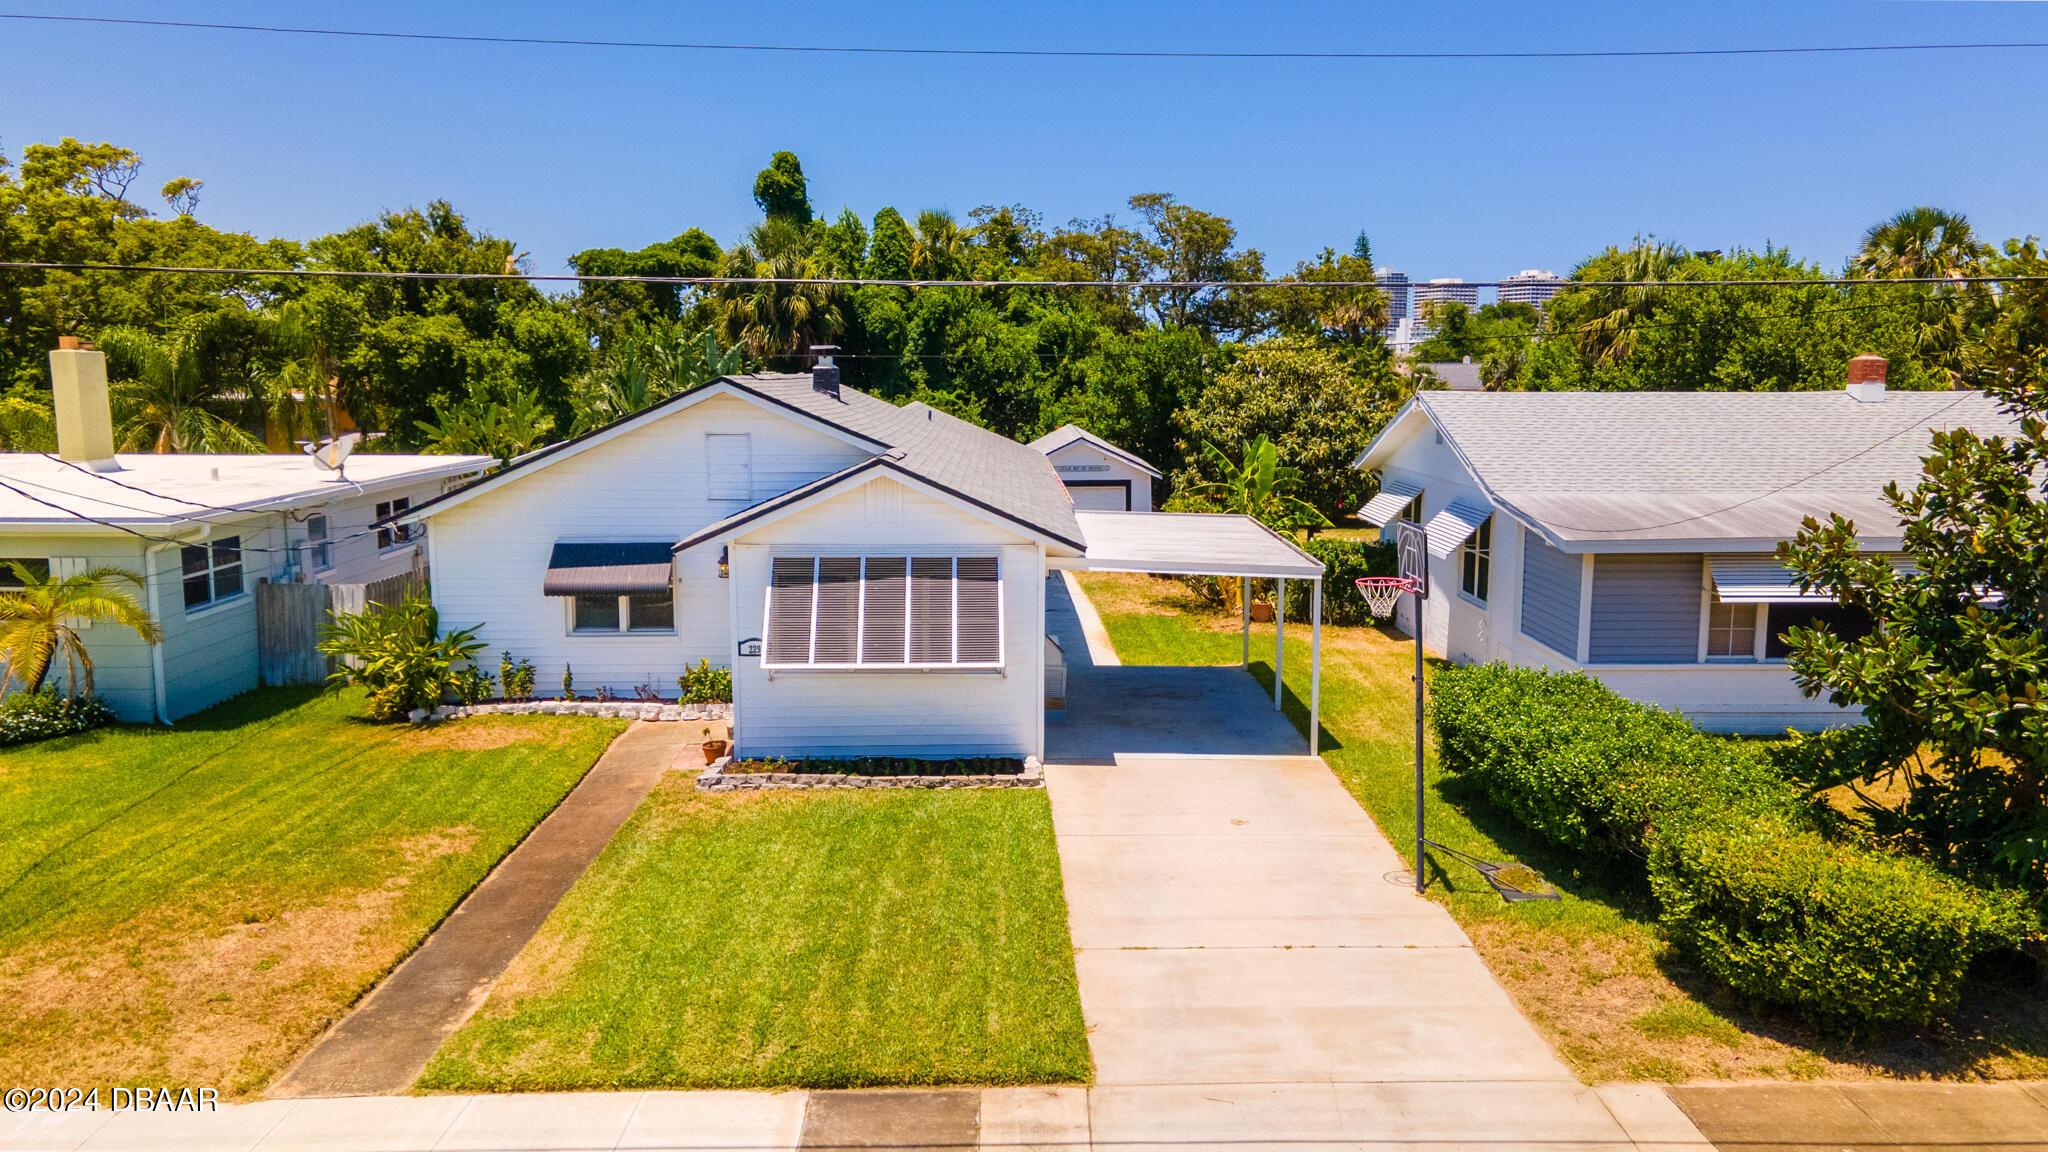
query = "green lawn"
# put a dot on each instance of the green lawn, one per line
(192, 905)
(1592, 970)
(812, 939)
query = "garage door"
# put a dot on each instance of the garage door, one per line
(1101, 498)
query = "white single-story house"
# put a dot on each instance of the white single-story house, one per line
(1100, 477)
(1632, 534)
(202, 530)
(874, 575)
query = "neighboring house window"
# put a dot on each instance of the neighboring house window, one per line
(634, 612)
(885, 612)
(212, 572)
(392, 535)
(1846, 623)
(317, 544)
(38, 567)
(1731, 631)
(729, 466)
(1476, 560)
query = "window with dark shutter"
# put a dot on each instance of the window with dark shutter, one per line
(836, 635)
(885, 605)
(931, 610)
(979, 600)
(885, 612)
(790, 585)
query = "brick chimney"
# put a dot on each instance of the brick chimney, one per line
(824, 373)
(1866, 379)
(85, 422)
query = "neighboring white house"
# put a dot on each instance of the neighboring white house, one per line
(1632, 534)
(1100, 477)
(204, 530)
(873, 575)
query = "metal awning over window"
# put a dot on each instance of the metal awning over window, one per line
(1746, 578)
(615, 569)
(884, 612)
(1394, 495)
(1449, 529)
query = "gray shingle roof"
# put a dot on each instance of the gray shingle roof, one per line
(1600, 468)
(993, 471)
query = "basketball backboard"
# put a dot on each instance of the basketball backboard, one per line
(1411, 545)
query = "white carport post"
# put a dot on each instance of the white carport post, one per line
(1244, 603)
(1315, 665)
(1279, 637)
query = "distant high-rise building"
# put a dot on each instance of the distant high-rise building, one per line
(1447, 289)
(1394, 283)
(1531, 286)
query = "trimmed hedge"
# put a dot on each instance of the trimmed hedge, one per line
(27, 716)
(1344, 561)
(1746, 883)
(1784, 916)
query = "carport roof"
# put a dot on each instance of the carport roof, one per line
(1187, 543)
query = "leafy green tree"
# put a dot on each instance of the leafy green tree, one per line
(889, 253)
(782, 192)
(40, 622)
(777, 322)
(1921, 242)
(605, 305)
(1256, 484)
(1950, 677)
(1351, 315)
(843, 248)
(503, 429)
(1320, 408)
(162, 397)
(938, 248)
(1186, 244)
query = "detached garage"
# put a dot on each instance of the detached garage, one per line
(1100, 477)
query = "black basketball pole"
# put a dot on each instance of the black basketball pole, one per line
(1420, 838)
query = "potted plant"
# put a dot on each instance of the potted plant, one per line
(1262, 611)
(713, 749)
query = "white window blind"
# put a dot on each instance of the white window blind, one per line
(729, 466)
(884, 612)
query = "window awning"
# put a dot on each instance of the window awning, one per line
(597, 569)
(1394, 495)
(1758, 578)
(1449, 529)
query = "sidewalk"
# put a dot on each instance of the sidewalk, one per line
(382, 1046)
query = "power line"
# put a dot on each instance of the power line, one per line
(858, 282)
(10, 485)
(1060, 53)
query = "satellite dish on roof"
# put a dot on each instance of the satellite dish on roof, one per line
(332, 454)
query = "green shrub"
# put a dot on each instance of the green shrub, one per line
(27, 716)
(516, 679)
(1746, 883)
(1588, 769)
(1344, 561)
(398, 653)
(1839, 933)
(472, 685)
(702, 684)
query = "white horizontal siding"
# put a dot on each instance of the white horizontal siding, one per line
(895, 713)
(490, 554)
(1101, 467)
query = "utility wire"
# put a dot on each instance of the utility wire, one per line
(854, 282)
(11, 485)
(1064, 53)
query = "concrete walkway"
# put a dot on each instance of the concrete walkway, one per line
(382, 1046)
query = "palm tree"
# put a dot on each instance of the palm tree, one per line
(162, 397)
(1616, 311)
(938, 249)
(1919, 243)
(40, 621)
(776, 321)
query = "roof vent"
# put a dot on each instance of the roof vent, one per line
(824, 373)
(1866, 379)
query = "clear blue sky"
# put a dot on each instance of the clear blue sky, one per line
(1472, 169)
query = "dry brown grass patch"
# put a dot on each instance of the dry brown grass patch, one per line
(481, 734)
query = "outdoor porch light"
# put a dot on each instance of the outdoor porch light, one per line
(724, 567)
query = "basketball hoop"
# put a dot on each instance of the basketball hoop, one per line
(1381, 592)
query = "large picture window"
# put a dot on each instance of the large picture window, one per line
(884, 612)
(1845, 622)
(213, 572)
(606, 613)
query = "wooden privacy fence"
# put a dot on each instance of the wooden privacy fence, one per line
(289, 616)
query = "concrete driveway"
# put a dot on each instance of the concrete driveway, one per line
(1253, 969)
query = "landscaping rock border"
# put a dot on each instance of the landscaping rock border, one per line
(717, 779)
(618, 709)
